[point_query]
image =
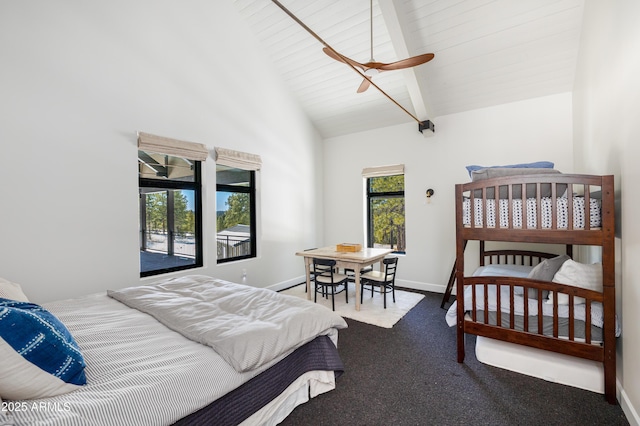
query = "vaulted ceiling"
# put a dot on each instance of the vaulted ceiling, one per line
(487, 52)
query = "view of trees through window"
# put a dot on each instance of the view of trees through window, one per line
(235, 216)
(184, 224)
(386, 222)
(238, 211)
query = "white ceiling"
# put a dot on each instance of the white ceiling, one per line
(487, 52)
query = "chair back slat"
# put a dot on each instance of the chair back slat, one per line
(390, 265)
(323, 268)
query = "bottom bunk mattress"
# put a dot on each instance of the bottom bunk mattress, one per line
(141, 372)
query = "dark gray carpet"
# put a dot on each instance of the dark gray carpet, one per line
(408, 375)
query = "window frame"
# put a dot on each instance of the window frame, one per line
(370, 195)
(168, 184)
(251, 190)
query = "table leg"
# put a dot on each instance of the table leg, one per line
(357, 282)
(307, 267)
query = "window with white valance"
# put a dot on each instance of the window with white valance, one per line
(236, 236)
(170, 188)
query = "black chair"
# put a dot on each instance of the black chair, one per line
(386, 279)
(325, 277)
(352, 274)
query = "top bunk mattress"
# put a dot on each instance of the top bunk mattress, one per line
(503, 215)
(531, 202)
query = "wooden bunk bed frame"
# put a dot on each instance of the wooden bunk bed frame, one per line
(601, 236)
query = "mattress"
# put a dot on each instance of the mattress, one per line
(546, 213)
(140, 372)
(550, 366)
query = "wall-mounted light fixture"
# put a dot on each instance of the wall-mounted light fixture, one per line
(428, 195)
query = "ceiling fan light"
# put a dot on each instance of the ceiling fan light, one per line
(371, 72)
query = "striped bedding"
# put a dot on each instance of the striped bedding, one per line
(139, 371)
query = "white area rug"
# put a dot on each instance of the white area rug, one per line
(371, 310)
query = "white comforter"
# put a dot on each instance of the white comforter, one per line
(597, 318)
(247, 326)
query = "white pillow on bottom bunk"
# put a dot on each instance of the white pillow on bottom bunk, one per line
(578, 275)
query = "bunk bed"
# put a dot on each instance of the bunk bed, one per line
(552, 208)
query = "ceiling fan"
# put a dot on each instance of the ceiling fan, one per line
(372, 67)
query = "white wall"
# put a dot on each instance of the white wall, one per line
(606, 106)
(526, 131)
(79, 79)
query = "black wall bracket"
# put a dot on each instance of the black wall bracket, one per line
(426, 125)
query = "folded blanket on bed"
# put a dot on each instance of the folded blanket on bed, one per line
(246, 326)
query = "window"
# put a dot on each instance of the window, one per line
(385, 208)
(236, 204)
(170, 210)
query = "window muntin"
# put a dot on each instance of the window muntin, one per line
(385, 213)
(170, 213)
(236, 214)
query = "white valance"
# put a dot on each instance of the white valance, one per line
(237, 159)
(390, 170)
(177, 148)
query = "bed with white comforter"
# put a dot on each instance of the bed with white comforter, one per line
(156, 354)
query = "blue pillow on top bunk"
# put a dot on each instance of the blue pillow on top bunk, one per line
(534, 165)
(40, 357)
(497, 172)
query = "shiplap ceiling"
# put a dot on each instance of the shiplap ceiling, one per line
(487, 52)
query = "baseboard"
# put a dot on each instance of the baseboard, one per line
(416, 285)
(627, 407)
(287, 284)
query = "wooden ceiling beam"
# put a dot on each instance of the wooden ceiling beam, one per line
(394, 16)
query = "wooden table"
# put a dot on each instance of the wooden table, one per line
(347, 260)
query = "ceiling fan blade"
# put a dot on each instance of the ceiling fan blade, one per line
(366, 82)
(406, 63)
(339, 58)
